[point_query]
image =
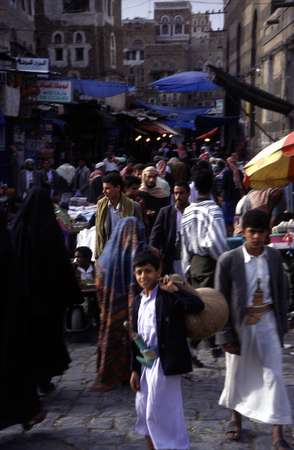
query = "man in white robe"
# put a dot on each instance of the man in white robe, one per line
(252, 280)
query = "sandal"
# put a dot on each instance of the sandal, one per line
(233, 431)
(281, 444)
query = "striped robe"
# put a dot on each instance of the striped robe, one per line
(203, 232)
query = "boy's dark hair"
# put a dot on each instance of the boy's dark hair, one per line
(256, 218)
(113, 178)
(86, 252)
(184, 185)
(203, 180)
(147, 257)
(131, 180)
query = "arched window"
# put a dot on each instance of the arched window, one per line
(57, 38)
(179, 25)
(165, 25)
(79, 37)
(112, 51)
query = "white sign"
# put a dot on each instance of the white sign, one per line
(54, 91)
(37, 65)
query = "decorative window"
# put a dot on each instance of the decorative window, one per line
(112, 51)
(75, 6)
(79, 37)
(165, 25)
(57, 38)
(179, 25)
(142, 55)
(79, 54)
(58, 53)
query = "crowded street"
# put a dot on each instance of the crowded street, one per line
(146, 225)
(79, 419)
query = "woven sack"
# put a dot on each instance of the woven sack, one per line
(214, 316)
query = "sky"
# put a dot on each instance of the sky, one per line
(141, 8)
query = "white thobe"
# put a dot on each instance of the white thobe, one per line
(254, 383)
(159, 402)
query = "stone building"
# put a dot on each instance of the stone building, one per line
(17, 28)
(176, 40)
(260, 51)
(81, 37)
(138, 34)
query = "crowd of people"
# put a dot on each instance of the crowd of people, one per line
(172, 215)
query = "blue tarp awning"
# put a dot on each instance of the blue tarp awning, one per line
(99, 89)
(186, 82)
(176, 117)
(2, 119)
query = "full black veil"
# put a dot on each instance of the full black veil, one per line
(47, 283)
(19, 401)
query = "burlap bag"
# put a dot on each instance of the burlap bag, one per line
(214, 316)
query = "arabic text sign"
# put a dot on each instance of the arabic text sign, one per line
(55, 91)
(37, 65)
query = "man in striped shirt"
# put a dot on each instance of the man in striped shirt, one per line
(204, 236)
(203, 240)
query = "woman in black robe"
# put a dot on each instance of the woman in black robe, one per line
(19, 401)
(48, 285)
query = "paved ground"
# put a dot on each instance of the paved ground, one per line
(79, 419)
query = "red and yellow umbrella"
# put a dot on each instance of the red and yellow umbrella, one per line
(273, 166)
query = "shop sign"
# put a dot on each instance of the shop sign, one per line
(54, 91)
(36, 65)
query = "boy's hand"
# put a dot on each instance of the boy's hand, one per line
(168, 285)
(231, 348)
(135, 382)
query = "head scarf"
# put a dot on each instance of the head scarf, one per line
(42, 254)
(116, 261)
(161, 190)
(161, 168)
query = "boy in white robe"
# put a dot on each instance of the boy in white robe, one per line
(252, 280)
(158, 317)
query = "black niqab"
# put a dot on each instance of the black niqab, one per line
(48, 282)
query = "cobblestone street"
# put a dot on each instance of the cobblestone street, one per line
(79, 419)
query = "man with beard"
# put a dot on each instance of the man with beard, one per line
(158, 193)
